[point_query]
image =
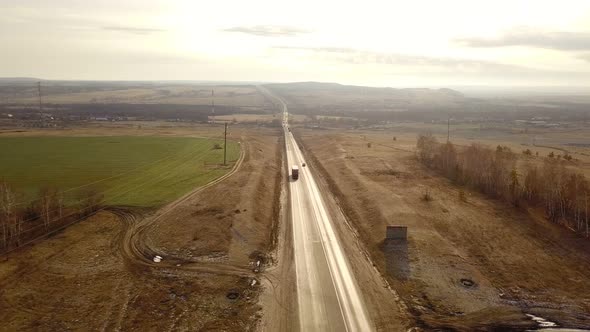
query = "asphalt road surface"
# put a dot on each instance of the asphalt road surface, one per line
(328, 297)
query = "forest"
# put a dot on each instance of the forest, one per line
(519, 180)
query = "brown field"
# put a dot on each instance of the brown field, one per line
(539, 140)
(519, 262)
(129, 128)
(99, 274)
(246, 96)
(255, 118)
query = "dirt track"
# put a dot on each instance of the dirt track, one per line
(519, 263)
(100, 274)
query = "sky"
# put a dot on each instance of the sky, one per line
(376, 43)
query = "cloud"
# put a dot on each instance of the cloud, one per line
(133, 30)
(357, 56)
(319, 49)
(268, 30)
(526, 36)
(585, 57)
(138, 57)
(441, 67)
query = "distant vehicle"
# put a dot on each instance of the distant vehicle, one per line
(303, 164)
(295, 172)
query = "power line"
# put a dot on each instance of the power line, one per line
(148, 164)
(62, 227)
(103, 179)
(40, 104)
(213, 106)
(170, 164)
(163, 176)
(39, 91)
(448, 128)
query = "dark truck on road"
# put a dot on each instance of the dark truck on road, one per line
(295, 172)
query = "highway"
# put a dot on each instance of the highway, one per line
(328, 296)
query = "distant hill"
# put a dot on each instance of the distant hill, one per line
(306, 97)
(316, 86)
(19, 79)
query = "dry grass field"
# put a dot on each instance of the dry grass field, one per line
(518, 262)
(572, 140)
(256, 118)
(246, 96)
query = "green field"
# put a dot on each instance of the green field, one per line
(128, 170)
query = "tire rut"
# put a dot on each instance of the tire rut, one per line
(134, 246)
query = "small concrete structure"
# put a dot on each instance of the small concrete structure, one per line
(396, 233)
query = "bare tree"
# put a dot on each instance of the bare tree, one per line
(586, 211)
(89, 201)
(560, 191)
(532, 184)
(49, 205)
(5, 210)
(448, 160)
(426, 148)
(60, 203)
(551, 190)
(514, 187)
(11, 225)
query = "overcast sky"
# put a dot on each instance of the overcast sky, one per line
(381, 43)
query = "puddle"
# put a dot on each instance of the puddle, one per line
(233, 295)
(468, 283)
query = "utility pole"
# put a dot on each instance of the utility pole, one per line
(586, 213)
(225, 145)
(39, 90)
(40, 105)
(448, 128)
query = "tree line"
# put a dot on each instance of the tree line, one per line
(500, 173)
(21, 221)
